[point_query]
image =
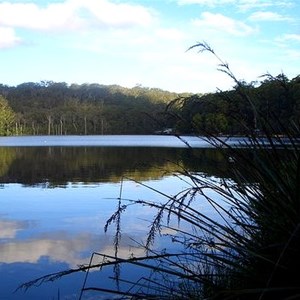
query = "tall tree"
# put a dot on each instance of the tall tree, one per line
(7, 117)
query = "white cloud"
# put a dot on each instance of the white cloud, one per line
(223, 24)
(73, 15)
(293, 54)
(241, 4)
(259, 4)
(206, 2)
(30, 16)
(170, 34)
(8, 38)
(291, 37)
(289, 43)
(112, 14)
(267, 16)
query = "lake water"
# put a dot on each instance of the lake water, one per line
(56, 194)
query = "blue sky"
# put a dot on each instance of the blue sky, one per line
(129, 42)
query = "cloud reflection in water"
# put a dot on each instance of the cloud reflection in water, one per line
(71, 250)
(9, 228)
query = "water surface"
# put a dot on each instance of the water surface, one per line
(98, 140)
(55, 201)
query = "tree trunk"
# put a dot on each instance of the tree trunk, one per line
(49, 124)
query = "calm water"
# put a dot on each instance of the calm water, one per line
(56, 194)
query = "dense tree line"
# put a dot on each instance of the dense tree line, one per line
(57, 108)
(236, 111)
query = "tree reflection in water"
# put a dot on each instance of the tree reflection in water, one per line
(55, 202)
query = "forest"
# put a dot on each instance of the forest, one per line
(56, 108)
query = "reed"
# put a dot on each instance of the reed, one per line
(249, 249)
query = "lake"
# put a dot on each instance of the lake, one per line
(57, 192)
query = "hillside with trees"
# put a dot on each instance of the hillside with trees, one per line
(56, 108)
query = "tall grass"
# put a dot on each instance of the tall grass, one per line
(249, 248)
